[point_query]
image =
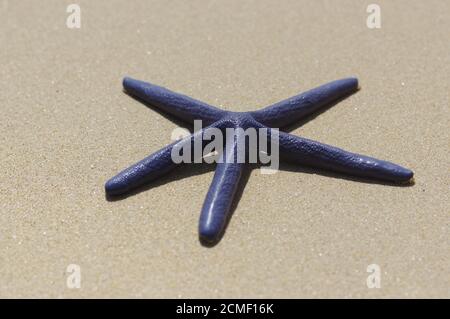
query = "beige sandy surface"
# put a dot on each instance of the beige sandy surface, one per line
(66, 127)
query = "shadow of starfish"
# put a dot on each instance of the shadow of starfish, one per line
(230, 174)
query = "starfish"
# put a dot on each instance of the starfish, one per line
(217, 206)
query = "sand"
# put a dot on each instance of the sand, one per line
(67, 127)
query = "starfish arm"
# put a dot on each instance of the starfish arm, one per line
(297, 107)
(178, 105)
(217, 206)
(150, 168)
(324, 156)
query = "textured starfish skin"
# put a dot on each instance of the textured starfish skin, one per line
(217, 205)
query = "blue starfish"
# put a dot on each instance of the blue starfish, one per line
(217, 206)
